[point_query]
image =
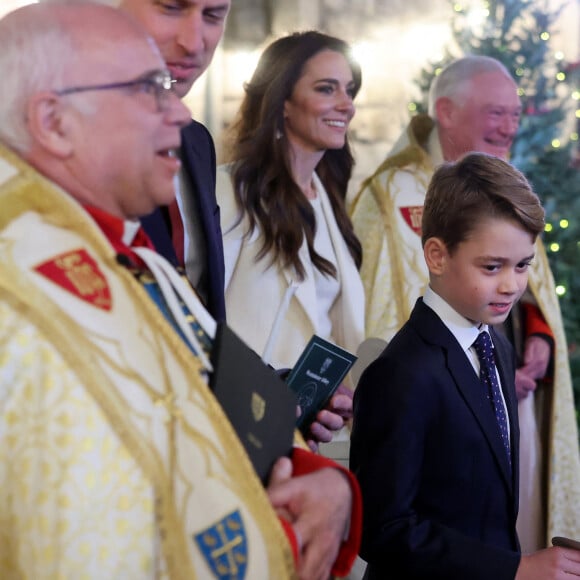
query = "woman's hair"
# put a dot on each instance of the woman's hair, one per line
(264, 187)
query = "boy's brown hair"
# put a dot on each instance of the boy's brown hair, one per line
(478, 187)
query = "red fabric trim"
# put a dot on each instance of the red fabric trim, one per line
(113, 228)
(305, 462)
(289, 530)
(535, 321)
(177, 231)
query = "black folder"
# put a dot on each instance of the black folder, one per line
(258, 403)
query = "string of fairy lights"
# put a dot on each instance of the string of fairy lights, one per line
(477, 17)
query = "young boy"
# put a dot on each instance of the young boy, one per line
(437, 467)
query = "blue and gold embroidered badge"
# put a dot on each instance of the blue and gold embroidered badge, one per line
(225, 548)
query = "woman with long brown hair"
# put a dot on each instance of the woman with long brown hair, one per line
(282, 199)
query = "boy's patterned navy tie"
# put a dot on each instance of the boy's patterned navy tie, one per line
(488, 376)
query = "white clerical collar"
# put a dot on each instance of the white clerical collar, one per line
(130, 229)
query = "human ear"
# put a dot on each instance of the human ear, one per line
(46, 120)
(444, 110)
(435, 252)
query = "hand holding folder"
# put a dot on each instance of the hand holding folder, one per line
(259, 405)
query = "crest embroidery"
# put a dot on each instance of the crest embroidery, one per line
(78, 273)
(324, 367)
(258, 407)
(225, 548)
(307, 395)
(413, 215)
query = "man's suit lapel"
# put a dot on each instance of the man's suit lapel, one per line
(198, 158)
(199, 162)
(156, 228)
(466, 381)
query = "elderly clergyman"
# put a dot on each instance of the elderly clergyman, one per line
(116, 460)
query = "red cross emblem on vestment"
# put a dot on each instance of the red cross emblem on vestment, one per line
(78, 273)
(413, 214)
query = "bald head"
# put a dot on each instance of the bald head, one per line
(43, 46)
(477, 108)
(454, 79)
(187, 32)
(87, 101)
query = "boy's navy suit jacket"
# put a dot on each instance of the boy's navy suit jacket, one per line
(199, 164)
(440, 501)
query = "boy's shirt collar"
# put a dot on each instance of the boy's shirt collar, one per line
(464, 331)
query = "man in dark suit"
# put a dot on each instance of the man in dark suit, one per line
(201, 217)
(188, 232)
(435, 435)
(187, 33)
(429, 512)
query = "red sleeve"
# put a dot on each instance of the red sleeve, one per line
(535, 321)
(289, 531)
(305, 462)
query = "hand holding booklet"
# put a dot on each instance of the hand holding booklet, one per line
(316, 375)
(259, 405)
(257, 402)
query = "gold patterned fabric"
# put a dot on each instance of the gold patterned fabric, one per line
(386, 215)
(115, 459)
(559, 435)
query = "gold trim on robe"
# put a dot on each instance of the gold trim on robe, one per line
(118, 461)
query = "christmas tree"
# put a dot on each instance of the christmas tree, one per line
(518, 33)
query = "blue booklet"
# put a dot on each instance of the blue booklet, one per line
(316, 375)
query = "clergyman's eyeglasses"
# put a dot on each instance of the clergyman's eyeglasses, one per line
(157, 83)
